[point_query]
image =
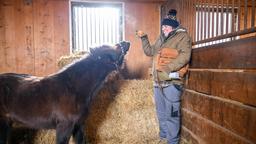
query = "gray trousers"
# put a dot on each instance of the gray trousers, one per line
(169, 112)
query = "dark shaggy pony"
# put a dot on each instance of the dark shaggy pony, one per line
(60, 101)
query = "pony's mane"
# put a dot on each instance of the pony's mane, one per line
(93, 54)
(101, 50)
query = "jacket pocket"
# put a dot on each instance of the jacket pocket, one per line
(178, 87)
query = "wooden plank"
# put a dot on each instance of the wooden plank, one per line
(233, 16)
(217, 13)
(200, 81)
(233, 116)
(208, 131)
(9, 63)
(188, 137)
(193, 17)
(227, 17)
(2, 37)
(209, 20)
(61, 29)
(212, 12)
(238, 54)
(239, 15)
(24, 37)
(238, 86)
(245, 13)
(253, 14)
(201, 20)
(43, 37)
(198, 20)
(204, 19)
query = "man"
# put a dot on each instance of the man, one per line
(171, 54)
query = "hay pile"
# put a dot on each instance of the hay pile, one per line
(124, 114)
(65, 60)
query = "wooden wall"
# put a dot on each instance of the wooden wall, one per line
(219, 104)
(145, 17)
(33, 35)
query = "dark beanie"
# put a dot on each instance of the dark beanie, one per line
(171, 19)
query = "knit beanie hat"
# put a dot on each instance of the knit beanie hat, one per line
(171, 19)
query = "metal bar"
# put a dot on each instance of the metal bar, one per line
(245, 14)
(94, 26)
(78, 28)
(212, 18)
(86, 29)
(239, 14)
(82, 19)
(201, 20)
(205, 5)
(217, 13)
(242, 32)
(73, 28)
(253, 13)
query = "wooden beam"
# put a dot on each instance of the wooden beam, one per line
(239, 54)
(237, 86)
(231, 115)
(209, 131)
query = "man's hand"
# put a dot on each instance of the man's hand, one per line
(140, 33)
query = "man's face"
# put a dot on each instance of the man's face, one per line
(166, 30)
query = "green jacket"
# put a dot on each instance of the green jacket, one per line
(177, 39)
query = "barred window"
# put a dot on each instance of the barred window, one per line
(94, 24)
(214, 23)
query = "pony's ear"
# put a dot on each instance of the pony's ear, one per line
(117, 46)
(91, 50)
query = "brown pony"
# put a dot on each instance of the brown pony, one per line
(60, 101)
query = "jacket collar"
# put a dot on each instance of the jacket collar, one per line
(174, 32)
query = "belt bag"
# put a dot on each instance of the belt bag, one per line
(166, 56)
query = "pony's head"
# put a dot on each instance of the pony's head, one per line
(111, 56)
